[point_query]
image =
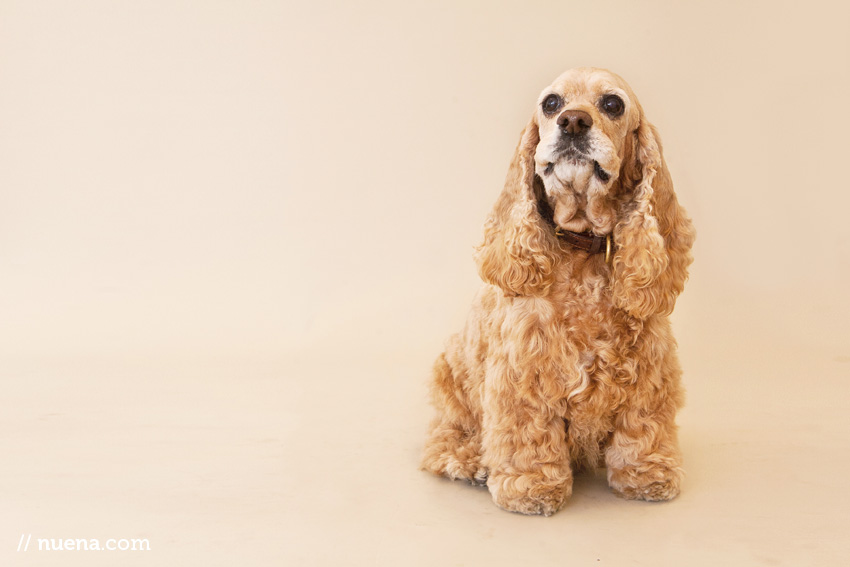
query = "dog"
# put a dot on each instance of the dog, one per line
(567, 360)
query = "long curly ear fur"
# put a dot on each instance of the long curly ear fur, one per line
(518, 253)
(655, 235)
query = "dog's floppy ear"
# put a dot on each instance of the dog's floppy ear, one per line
(518, 252)
(654, 237)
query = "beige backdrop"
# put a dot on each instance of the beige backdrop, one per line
(233, 236)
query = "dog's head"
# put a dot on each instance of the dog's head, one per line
(589, 161)
(584, 120)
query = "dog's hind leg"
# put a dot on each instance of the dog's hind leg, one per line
(453, 448)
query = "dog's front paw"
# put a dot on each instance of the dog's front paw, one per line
(649, 482)
(529, 494)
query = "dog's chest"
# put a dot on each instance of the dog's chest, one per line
(592, 355)
(579, 343)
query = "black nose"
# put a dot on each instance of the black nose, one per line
(575, 122)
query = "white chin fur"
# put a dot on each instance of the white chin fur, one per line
(573, 175)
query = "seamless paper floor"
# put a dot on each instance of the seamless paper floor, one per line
(313, 460)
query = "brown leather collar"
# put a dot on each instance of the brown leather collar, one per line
(586, 241)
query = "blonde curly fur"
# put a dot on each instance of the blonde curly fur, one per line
(567, 362)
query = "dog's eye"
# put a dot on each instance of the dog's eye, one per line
(612, 105)
(551, 104)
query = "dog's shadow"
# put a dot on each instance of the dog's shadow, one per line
(590, 487)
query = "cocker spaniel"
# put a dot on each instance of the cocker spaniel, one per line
(567, 359)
